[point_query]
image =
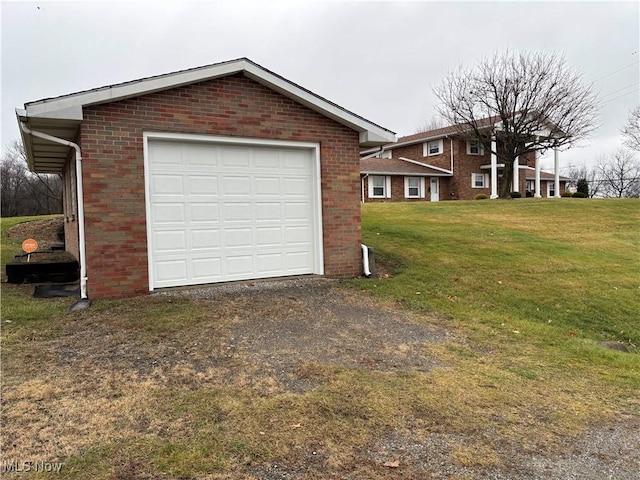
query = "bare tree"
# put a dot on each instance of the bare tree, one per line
(590, 174)
(23, 192)
(631, 131)
(528, 102)
(434, 123)
(620, 175)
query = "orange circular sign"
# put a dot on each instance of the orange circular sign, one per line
(29, 245)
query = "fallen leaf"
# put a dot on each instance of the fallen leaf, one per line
(394, 464)
(516, 331)
(297, 425)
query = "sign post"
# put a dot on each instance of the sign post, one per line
(29, 246)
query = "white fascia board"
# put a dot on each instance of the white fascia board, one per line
(412, 142)
(406, 174)
(69, 113)
(487, 167)
(443, 170)
(372, 133)
(134, 88)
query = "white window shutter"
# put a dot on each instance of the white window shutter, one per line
(370, 186)
(422, 187)
(387, 189)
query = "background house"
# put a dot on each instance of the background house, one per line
(441, 165)
(219, 173)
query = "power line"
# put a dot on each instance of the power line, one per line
(620, 96)
(616, 71)
(620, 90)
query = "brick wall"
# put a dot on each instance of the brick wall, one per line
(111, 139)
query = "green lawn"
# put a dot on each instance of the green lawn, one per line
(526, 290)
(546, 267)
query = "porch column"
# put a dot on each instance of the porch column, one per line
(556, 171)
(516, 175)
(537, 192)
(494, 169)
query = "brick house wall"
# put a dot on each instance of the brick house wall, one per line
(113, 170)
(459, 187)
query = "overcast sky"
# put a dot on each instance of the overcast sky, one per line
(378, 59)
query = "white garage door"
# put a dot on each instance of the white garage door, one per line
(219, 210)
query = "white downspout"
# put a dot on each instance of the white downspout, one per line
(365, 260)
(80, 197)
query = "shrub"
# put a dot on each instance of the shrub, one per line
(566, 194)
(516, 195)
(579, 195)
(583, 186)
(480, 196)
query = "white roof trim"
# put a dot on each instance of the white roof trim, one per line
(449, 172)
(59, 107)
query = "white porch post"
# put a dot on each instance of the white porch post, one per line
(556, 171)
(516, 175)
(537, 192)
(494, 169)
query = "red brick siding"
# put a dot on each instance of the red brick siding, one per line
(397, 190)
(112, 143)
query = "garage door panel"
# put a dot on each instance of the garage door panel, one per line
(164, 184)
(267, 186)
(268, 236)
(267, 212)
(167, 213)
(238, 238)
(234, 156)
(204, 212)
(270, 263)
(171, 272)
(236, 212)
(205, 239)
(202, 184)
(266, 159)
(239, 265)
(221, 212)
(296, 235)
(297, 261)
(206, 268)
(199, 156)
(297, 211)
(166, 154)
(171, 241)
(236, 186)
(295, 187)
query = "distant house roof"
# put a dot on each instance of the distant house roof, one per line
(530, 174)
(61, 116)
(400, 166)
(438, 133)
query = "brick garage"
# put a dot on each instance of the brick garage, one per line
(233, 100)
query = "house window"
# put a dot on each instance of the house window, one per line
(433, 147)
(379, 186)
(479, 180)
(551, 189)
(474, 147)
(413, 187)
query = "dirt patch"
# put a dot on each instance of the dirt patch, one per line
(45, 232)
(281, 326)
